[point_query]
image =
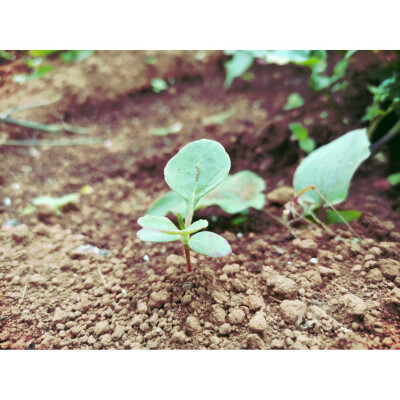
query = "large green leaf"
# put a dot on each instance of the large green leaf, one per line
(235, 194)
(196, 170)
(152, 235)
(330, 168)
(161, 224)
(210, 244)
(332, 216)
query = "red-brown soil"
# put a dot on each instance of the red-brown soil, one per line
(270, 293)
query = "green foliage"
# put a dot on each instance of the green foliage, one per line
(36, 59)
(158, 85)
(167, 130)
(54, 203)
(294, 101)
(315, 60)
(394, 179)
(330, 169)
(197, 169)
(236, 194)
(347, 215)
(300, 133)
(6, 55)
(217, 119)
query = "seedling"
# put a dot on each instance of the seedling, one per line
(236, 194)
(55, 204)
(300, 133)
(197, 169)
(323, 178)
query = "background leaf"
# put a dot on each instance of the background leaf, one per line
(347, 215)
(331, 168)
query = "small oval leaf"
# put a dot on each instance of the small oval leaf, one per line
(196, 226)
(210, 244)
(161, 224)
(152, 235)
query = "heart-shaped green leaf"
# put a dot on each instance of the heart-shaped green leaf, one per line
(209, 244)
(196, 170)
(330, 168)
(235, 194)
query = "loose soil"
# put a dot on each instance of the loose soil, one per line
(316, 291)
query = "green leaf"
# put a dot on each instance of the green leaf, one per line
(37, 74)
(218, 119)
(330, 168)
(294, 101)
(161, 224)
(169, 202)
(299, 131)
(238, 65)
(56, 202)
(196, 226)
(42, 53)
(394, 179)
(237, 193)
(75, 55)
(347, 215)
(159, 85)
(152, 235)
(307, 145)
(196, 170)
(166, 130)
(209, 244)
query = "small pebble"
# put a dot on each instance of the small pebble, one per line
(146, 258)
(313, 260)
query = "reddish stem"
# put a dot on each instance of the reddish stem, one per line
(187, 255)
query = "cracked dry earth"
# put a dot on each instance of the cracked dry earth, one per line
(319, 292)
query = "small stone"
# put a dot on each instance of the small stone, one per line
(255, 302)
(88, 283)
(254, 342)
(353, 305)
(157, 299)
(11, 222)
(280, 195)
(282, 286)
(277, 344)
(141, 307)
(60, 316)
(324, 271)
(293, 310)
(20, 233)
(118, 332)
(225, 329)
(314, 277)
(238, 285)
(218, 315)
(305, 244)
(231, 269)
(193, 325)
(236, 316)
(374, 276)
(390, 268)
(179, 337)
(258, 323)
(174, 260)
(101, 328)
(105, 339)
(220, 297)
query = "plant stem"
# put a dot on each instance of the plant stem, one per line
(394, 131)
(187, 255)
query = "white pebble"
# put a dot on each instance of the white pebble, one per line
(6, 201)
(15, 186)
(240, 235)
(146, 258)
(313, 260)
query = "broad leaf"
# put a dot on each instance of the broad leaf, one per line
(161, 224)
(238, 65)
(235, 194)
(330, 168)
(348, 215)
(209, 244)
(196, 170)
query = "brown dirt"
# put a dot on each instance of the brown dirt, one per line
(270, 293)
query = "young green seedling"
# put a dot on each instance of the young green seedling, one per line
(323, 178)
(196, 170)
